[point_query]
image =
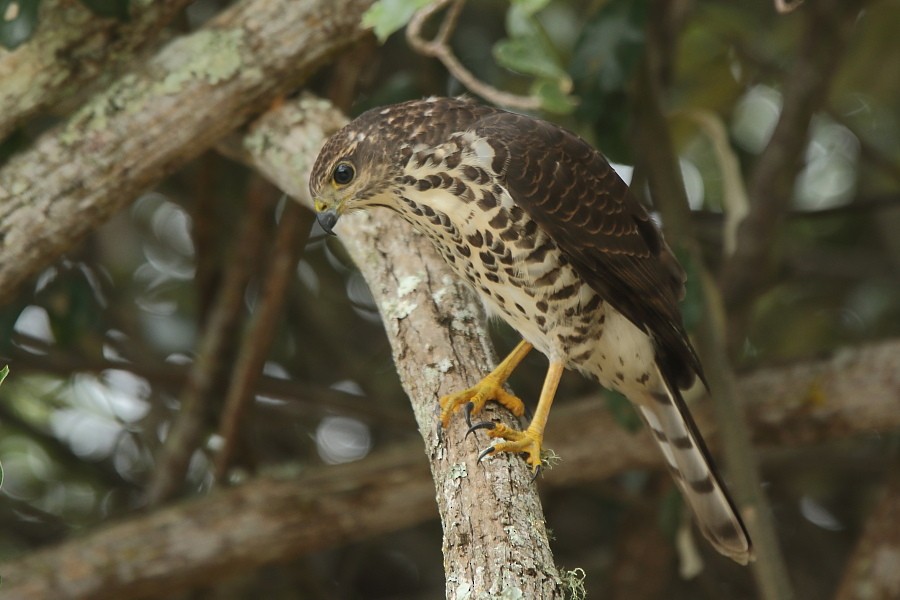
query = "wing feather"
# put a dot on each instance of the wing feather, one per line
(576, 197)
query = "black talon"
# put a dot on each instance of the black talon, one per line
(484, 453)
(470, 406)
(527, 414)
(537, 472)
(477, 426)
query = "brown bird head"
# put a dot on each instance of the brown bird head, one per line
(352, 172)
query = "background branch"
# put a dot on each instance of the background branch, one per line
(71, 50)
(151, 121)
(215, 355)
(829, 27)
(267, 520)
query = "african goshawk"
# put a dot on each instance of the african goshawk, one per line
(551, 239)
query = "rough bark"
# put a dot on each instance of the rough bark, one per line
(495, 541)
(268, 520)
(152, 120)
(71, 49)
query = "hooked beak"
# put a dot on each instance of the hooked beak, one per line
(327, 220)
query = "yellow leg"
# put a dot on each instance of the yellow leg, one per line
(489, 388)
(529, 441)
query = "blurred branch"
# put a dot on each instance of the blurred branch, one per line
(172, 377)
(872, 569)
(654, 145)
(70, 50)
(829, 26)
(62, 452)
(293, 231)
(490, 543)
(215, 354)
(439, 48)
(152, 120)
(267, 520)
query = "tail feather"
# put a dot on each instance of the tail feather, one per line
(689, 461)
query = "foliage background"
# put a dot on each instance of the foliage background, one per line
(101, 343)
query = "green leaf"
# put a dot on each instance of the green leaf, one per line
(118, 9)
(604, 61)
(531, 7)
(528, 56)
(18, 19)
(553, 97)
(387, 16)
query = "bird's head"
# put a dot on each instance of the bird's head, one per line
(350, 174)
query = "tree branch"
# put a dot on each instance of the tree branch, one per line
(70, 50)
(151, 121)
(268, 520)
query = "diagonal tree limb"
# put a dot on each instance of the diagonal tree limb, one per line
(267, 520)
(71, 49)
(152, 120)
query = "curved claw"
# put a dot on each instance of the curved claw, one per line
(485, 453)
(470, 406)
(537, 471)
(477, 426)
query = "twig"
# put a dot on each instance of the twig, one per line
(290, 238)
(215, 353)
(439, 48)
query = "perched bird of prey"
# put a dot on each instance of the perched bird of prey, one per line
(551, 239)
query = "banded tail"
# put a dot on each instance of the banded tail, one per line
(689, 461)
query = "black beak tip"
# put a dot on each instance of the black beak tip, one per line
(327, 220)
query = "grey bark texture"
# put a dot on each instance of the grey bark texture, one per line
(72, 49)
(150, 121)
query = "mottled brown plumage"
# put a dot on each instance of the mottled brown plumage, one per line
(554, 243)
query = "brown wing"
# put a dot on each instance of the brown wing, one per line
(574, 195)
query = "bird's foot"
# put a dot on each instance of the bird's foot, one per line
(528, 442)
(474, 399)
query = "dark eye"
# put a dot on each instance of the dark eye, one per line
(343, 173)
